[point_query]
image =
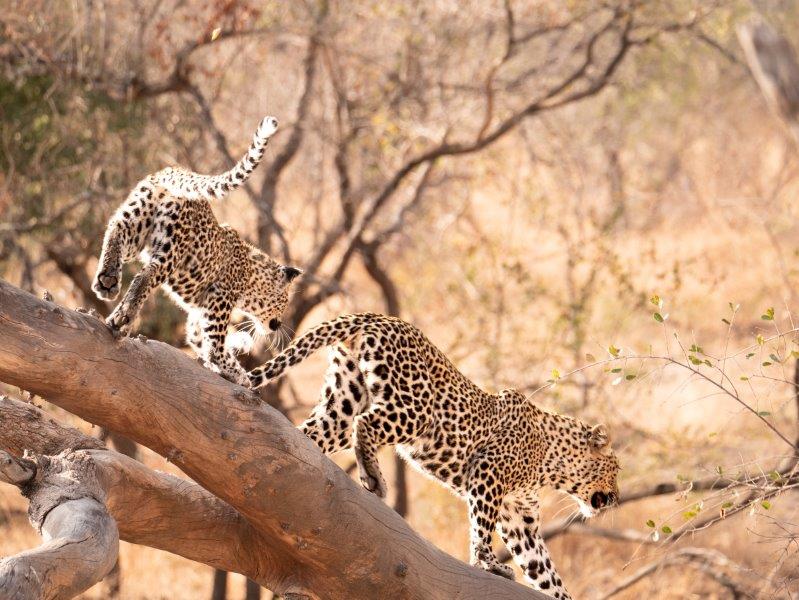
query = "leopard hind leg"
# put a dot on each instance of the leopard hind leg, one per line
(343, 397)
(398, 413)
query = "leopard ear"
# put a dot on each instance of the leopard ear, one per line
(290, 273)
(598, 437)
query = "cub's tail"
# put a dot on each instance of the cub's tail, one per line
(187, 184)
(325, 334)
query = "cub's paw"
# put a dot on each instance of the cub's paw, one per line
(256, 380)
(374, 482)
(237, 378)
(502, 570)
(121, 319)
(106, 284)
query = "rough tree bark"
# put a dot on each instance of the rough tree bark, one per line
(67, 507)
(150, 507)
(308, 529)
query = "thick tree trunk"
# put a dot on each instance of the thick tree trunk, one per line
(326, 537)
(219, 589)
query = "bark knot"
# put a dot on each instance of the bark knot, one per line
(70, 475)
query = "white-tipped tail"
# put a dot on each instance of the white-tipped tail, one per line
(187, 184)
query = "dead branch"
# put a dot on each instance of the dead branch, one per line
(564, 526)
(150, 508)
(81, 540)
(329, 538)
(710, 562)
(588, 79)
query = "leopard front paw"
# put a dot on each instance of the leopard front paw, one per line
(120, 320)
(372, 480)
(106, 284)
(255, 380)
(237, 378)
(233, 376)
(502, 570)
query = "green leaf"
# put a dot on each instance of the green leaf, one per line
(657, 301)
(614, 352)
(766, 504)
(726, 505)
(750, 355)
(616, 370)
(766, 363)
(763, 413)
(650, 523)
(760, 340)
(719, 470)
(658, 317)
(774, 357)
(688, 515)
(666, 529)
(694, 360)
(795, 353)
(744, 378)
(630, 377)
(555, 374)
(768, 315)
(774, 476)
(726, 321)
(697, 349)
(590, 357)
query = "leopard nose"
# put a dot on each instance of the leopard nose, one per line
(274, 324)
(598, 500)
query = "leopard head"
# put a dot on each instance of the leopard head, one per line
(267, 293)
(594, 471)
(581, 462)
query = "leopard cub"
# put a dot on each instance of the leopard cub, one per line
(207, 268)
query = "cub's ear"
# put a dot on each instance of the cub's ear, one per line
(290, 273)
(598, 437)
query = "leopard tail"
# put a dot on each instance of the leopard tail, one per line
(214, 187)
(325, 334)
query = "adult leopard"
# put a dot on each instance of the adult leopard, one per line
(387, 384)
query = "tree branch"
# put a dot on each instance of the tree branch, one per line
(82, 540)
(555, 97)
(151, 508)
(709, 562)
(329, 537)
(774, 66)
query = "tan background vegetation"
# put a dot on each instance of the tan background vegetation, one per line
(519, 259)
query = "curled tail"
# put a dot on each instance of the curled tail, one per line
(194, 186)
(325, 334)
